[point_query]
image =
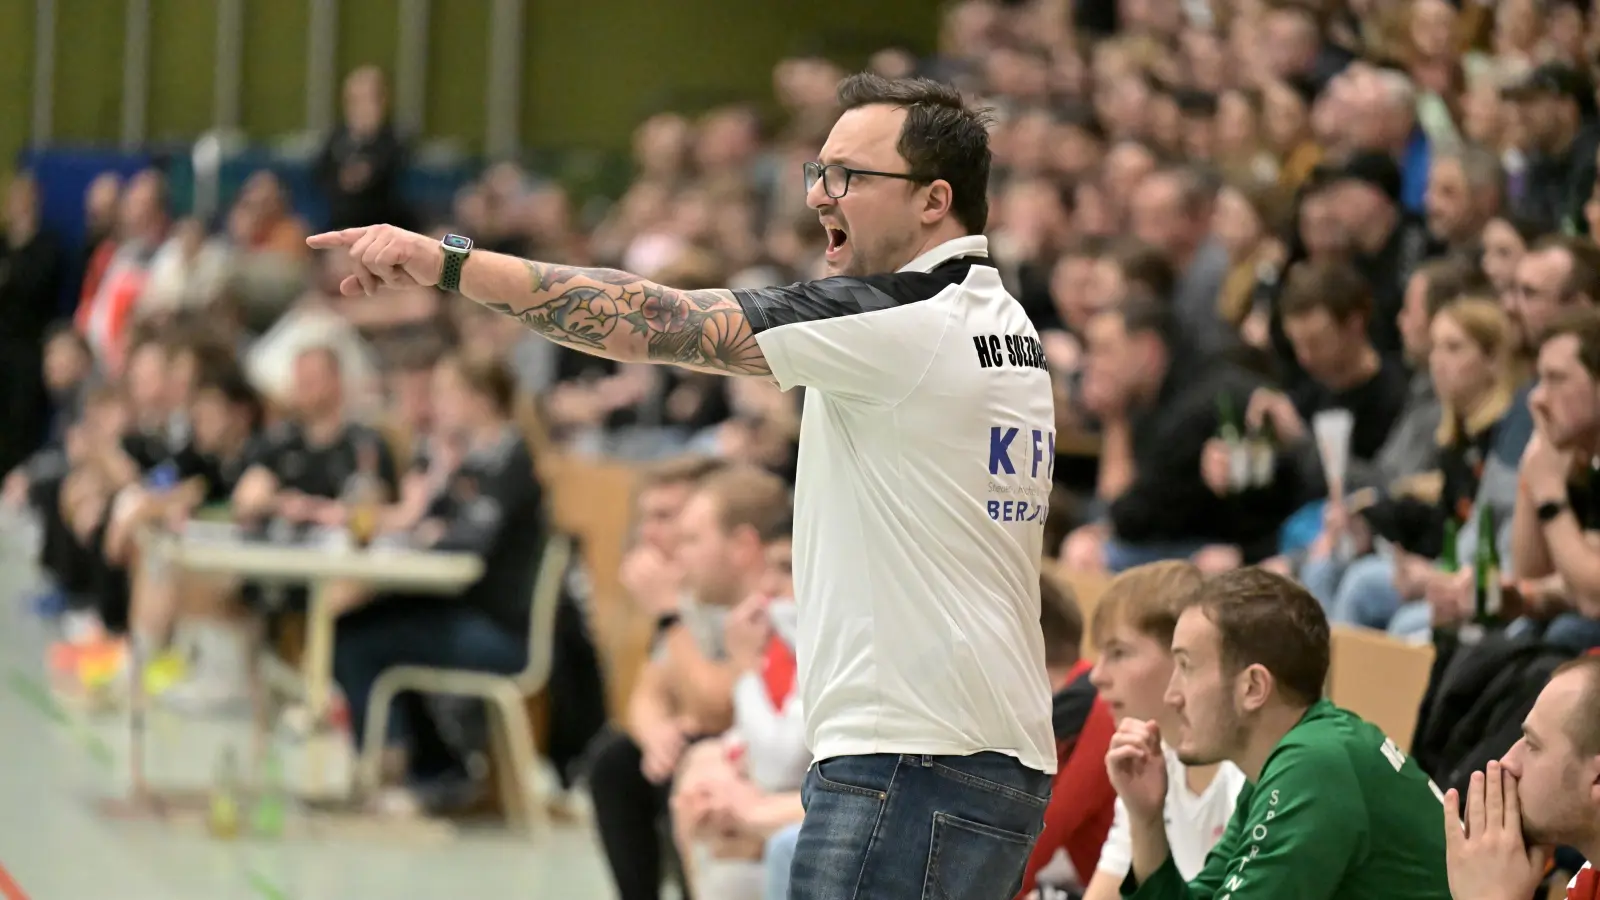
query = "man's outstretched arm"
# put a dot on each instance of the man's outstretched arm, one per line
(599, 311)
(617, 315)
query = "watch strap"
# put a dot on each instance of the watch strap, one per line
(1551, 509)
(450, 275)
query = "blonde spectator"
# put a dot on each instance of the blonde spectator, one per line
(1249, 221)
(1482, 430)
(1132, 631)
(1286, 129)
(1239, 150)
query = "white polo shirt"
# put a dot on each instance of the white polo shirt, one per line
(926, 450)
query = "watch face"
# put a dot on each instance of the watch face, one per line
(457, 242)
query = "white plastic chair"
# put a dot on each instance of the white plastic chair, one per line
(511, 732)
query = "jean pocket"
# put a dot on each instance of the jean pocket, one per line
(989, 785)
(852, 775)
(972, 861)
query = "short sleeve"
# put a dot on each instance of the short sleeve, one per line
(868, 338)
(266, 450)
(1116, 854)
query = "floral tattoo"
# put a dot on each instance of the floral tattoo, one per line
(622, 316)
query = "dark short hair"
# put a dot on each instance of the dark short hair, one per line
(1583, 323)
(1334, 286)
(1197, 187)
(1585, 729)
(1449, 278)
(1144, 265)
(1061, 620)
(231, 384)
(1142, 312)
(490, 377)
(1266, 619)
(1088, 246)
(942, 138)
(1583, 279)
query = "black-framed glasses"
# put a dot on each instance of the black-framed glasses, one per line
(836, 178)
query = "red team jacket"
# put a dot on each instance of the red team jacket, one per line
(1082, 800)
(1585, 885)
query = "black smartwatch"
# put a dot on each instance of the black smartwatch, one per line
(456, 251)
(1550, 509)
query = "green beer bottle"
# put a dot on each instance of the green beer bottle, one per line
(1448, 561)
(1486, 598)
(1233, 436)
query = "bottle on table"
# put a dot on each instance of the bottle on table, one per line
(363, 495)
(271, 809)
(222, 818)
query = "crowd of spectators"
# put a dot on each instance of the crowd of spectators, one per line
(1224, 218)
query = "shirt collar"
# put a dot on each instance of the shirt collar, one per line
(971, 245)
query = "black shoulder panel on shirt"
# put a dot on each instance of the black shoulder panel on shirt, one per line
(843, 295)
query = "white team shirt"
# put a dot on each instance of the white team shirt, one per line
(926, 450)
(1195, 822)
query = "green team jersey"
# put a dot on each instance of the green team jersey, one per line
(1340, 813)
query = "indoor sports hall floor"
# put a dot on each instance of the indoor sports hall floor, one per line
(54, 844)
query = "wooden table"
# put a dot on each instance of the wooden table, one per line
(213, 549)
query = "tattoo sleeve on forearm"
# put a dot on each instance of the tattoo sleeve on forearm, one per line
(625, 317)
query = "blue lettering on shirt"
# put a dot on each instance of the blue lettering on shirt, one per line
(1000, 450)
(1018, 511)
(1042, 446)
(1020, 501)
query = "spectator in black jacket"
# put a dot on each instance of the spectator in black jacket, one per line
(1157, 401)
(1556, 106)
(302, 466)
(362, 162)
(1389, 242)
(489, 504)
(1326, 308)
(32, 266)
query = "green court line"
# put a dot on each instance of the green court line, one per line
(33, 692)
(36, 695)
(263, 886)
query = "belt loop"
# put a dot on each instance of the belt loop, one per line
(927, 761)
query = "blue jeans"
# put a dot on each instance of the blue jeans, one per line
(779, 859)
(1358, 593)
(1573, 631)
(1412, 622)
(1366, 593)
(1569, 630)
(1122, 556)
(905, 827)
(417, 631)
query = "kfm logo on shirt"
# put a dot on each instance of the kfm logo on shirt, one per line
(1021, 463)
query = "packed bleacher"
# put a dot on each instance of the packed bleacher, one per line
(1316, 283)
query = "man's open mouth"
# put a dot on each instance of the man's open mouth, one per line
(836, 238)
